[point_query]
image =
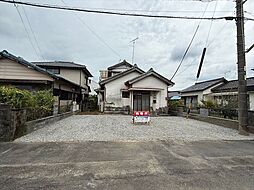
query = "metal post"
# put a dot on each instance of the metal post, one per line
(133, 47)
(133, 52)
(242, 84)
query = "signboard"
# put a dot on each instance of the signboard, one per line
(141, 117)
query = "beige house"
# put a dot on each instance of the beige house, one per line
(126, 88)
(18, 72)
(73, 72)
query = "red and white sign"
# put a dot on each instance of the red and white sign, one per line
(141, 117)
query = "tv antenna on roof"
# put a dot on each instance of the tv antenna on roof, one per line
(133, 47)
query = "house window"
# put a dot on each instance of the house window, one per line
(55, 71)
(125, 94)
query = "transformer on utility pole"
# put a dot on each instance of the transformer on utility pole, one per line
(242, 83)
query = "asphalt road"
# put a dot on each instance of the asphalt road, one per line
(128, 165)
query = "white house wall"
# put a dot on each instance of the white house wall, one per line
(198, 94)
(154, 82)
(202, 95)
(114, 93)
(120, 68)
(209, 90)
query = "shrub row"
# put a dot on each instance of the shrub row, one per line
(18, 98)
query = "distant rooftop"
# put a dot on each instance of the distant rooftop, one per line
(200, 86)
(63, 64)
(233, 86)
(123, 63)
(59, 64)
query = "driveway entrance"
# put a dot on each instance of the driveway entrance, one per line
(120, 128)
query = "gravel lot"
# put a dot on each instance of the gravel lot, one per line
(119, 128)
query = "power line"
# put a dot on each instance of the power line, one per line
(154, 11)
(30, 26)
(211, 41)
(94, 33)
(119, 13)
(210, 28)
(205, 48)
(192, 39)
(29, 38)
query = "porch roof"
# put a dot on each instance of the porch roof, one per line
(146, 89)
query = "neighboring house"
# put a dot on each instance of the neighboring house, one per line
(22, 74)
(127, 88)
(194, 94)
(73, 72)
(229, 90)
(219, 90)
(174, 95)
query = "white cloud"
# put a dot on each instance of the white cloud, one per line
(161, 42)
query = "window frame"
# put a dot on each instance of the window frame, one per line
(124, 93)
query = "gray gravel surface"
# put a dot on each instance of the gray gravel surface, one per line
(120, 128)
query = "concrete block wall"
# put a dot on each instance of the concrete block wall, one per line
(7, 123)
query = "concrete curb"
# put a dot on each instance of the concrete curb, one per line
(40, 123)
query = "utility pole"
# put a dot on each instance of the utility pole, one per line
(133, 47)
(242, 84)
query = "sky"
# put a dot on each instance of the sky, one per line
(99, 41)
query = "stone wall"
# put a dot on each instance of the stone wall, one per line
(251, 118)
(7, 127)
(40, 123)
(233, 124)
(117, 110)
(12, 122)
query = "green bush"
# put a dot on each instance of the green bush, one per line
(44, 99)
(174, 104)
(209, 104)
(18, 98)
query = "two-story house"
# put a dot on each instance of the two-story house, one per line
(73, 72)
(23, 74)
(125, 88)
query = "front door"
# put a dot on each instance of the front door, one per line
(141, 101)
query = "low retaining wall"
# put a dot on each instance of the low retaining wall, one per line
(117, 110)
(40, 123)
(7, 123)
(228, 123)
(13, 122)
(233, 124)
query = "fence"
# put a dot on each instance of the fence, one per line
(224, 113)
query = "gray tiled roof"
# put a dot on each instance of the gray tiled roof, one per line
(124, 62)
(200, 86)
(62, 64)
(59, 64)
(233, 86)
(135, 68)
(149, 73)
